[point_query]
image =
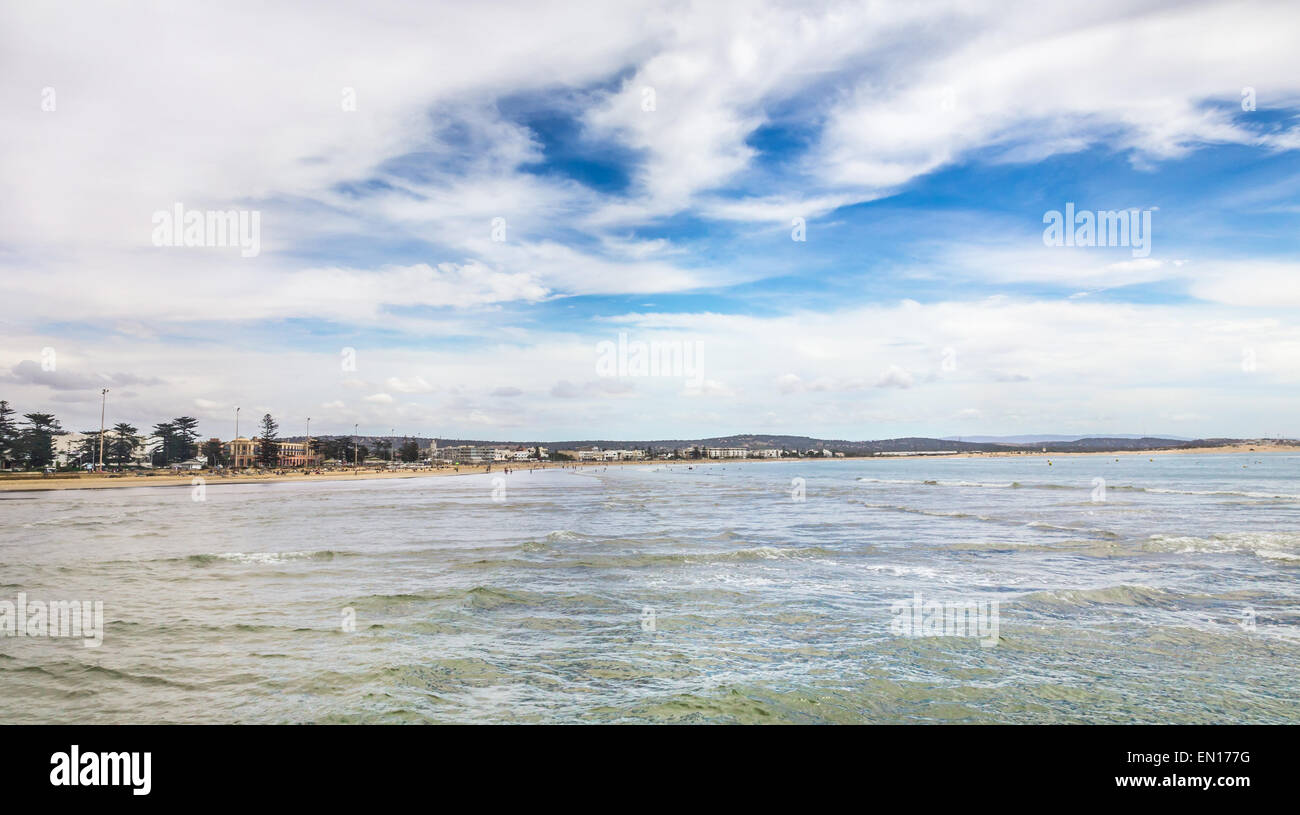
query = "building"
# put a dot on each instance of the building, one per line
(294, 454)
(726, 452)
(597, 454)
(143, 455)
(512, 453)
(767, 452)
(241, 453)
(466, 454)
(67, 449)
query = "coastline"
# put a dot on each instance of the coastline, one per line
(86, 481)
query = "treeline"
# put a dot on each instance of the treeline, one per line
(347, 450)
(29, 442)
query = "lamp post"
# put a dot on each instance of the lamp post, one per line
(103, 396)
(234, 446)
(391, 460)
(354, 449)
(306, 445)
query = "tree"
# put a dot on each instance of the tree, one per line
(268, 448)
(410, 451)
(214, 453)
(88, 448)
(9, 435)
(165, 452)
(329, 448)
(122, 443)
(38, 438)
(383, 448)
(186, 433)
(337, 449)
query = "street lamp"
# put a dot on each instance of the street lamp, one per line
(103, 396)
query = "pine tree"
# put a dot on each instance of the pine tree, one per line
(8, 435)
(268, 448)
(166, 452)
(122, 443)
(38, 438)
(186, 434)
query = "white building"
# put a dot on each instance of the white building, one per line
(466, 454)
(67, 448)
(596, 454)
(726, 452)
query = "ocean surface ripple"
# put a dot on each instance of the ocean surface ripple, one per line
(673, 593)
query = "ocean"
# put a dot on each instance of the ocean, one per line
(1097, 589)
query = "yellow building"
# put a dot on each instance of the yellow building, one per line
(294, 454)
(241, 453)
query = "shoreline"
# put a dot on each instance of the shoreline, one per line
(98, 482)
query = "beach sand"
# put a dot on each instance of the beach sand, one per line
(31, 482)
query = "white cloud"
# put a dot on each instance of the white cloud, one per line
(894, 377)
(883, 94)
(415, 384)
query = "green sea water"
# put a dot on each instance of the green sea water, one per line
(750, 593)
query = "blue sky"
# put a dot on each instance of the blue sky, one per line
(513, 188)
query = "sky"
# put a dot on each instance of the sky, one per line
(836, 211)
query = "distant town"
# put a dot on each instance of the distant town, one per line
(39, 442)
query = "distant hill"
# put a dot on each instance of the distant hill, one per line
(1031, 439)
(910, 444)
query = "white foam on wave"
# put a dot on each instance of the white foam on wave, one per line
(264, 557)
(1269, 545)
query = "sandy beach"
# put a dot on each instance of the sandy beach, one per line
(95, 481)
(30, 482)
